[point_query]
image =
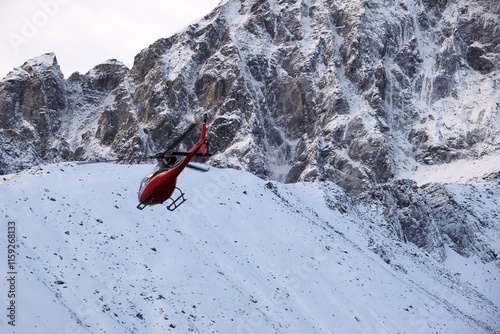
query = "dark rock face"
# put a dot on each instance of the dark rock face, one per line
(433, 216)
(465, 226)
(345, 91)
(462, 217)
(475, 30)
(46, 118)
(33, 104)
(411, 217)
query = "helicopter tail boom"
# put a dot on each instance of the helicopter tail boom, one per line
(203, 138)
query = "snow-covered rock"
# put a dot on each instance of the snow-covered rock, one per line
(356, 92)
(242, 255)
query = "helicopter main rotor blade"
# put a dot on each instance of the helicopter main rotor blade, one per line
(127, 160)
(156, 156)
(97, 161)
(179, 139)
(198, 168)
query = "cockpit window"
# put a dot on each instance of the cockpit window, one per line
(145, 181)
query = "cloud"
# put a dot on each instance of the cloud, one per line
(84, 33)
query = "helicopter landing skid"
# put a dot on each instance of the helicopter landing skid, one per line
(141, 205)
(175, 203)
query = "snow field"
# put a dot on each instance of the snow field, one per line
(242, 255)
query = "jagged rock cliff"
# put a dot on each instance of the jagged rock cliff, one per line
(45, 117)
(356, 92)
(353, 92)
(435, 216)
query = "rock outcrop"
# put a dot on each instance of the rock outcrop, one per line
(435, 216)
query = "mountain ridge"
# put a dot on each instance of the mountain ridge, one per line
(355, 93)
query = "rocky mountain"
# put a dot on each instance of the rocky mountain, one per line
(297, 90)
(361, 93)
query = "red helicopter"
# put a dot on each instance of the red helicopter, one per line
(159, 186)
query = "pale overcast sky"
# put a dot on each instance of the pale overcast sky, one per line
(84, 33)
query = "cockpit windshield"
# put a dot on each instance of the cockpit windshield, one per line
(145, 181)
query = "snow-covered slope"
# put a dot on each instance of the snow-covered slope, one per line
(242, 255)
